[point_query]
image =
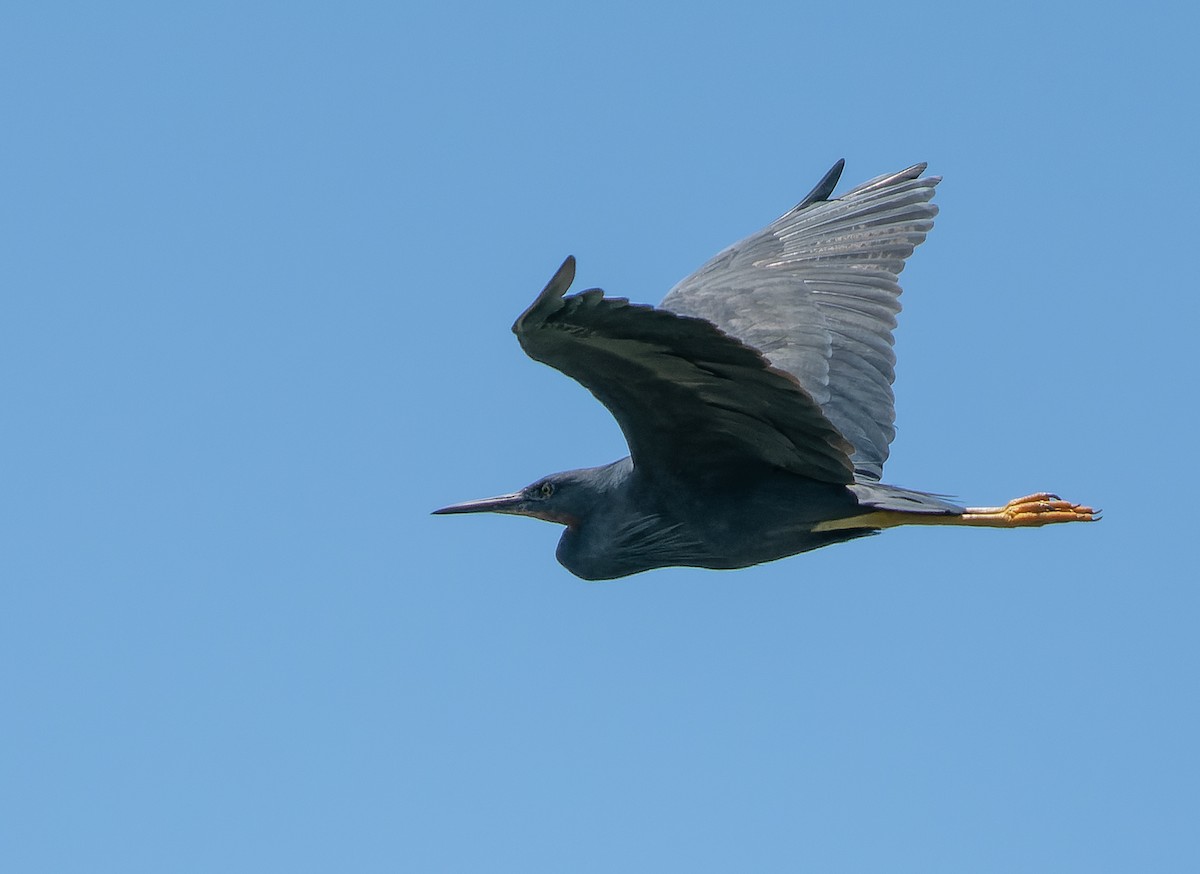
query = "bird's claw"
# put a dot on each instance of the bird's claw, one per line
(1045, 508)
(1031, 511)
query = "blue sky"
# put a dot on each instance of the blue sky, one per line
(258, 271)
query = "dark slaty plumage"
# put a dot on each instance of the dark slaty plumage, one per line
(757, 401)
(688, 398)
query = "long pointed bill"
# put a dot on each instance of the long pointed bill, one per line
(500, 504)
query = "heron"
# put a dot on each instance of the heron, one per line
(756, 400)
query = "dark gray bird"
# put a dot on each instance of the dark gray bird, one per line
(756, 400)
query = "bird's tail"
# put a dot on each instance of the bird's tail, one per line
(879, 496)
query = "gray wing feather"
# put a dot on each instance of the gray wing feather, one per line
(816, 292)
(689, 399)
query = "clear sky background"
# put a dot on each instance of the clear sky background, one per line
(258, 266)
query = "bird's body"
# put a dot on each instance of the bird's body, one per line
(756, 401)
(634, 523)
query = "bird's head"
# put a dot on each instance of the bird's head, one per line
(561, 497)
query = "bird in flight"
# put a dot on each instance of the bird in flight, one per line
(756, 399)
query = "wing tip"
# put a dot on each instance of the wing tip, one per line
(823, 189)
(550, 299)
(888, 180)
(565, 270)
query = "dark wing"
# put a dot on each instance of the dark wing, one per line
(816, 293)
(688, 398)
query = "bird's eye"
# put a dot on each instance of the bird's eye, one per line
(546, 490)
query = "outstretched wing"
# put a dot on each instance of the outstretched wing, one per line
(817, 293)
(688, 398)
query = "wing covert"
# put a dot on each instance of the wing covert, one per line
(688, 398)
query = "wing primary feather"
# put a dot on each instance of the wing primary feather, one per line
(824, 188)
(550, 300)
(817, 292)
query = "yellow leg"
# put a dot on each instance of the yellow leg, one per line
(1031, 511)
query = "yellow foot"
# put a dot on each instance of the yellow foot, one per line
(1031, 511)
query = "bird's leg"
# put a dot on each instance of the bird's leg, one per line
(1031, 511)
